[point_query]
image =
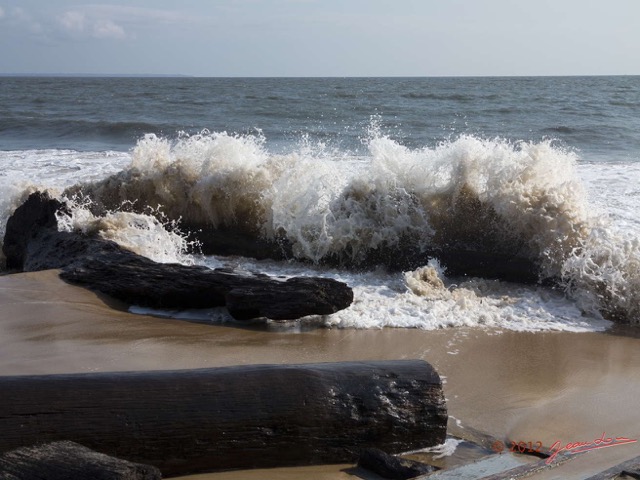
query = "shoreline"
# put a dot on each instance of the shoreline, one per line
(543, 386)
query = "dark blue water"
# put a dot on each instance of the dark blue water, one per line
(597, 116)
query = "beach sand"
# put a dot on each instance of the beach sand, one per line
(525, 386)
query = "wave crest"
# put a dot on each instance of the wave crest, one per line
(521, 200)
(485, 195)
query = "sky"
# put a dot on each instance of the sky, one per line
(321, 37)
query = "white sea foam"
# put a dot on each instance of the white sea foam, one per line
(140, 233)
(383, 299)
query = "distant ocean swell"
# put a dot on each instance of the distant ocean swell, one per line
(516, 199)
(70, 129)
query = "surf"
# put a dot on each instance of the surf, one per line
(394, 206)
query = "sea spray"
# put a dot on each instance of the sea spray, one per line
(603, 275)
(491, 303)
(26, 171)
(426, 281)
(150, 235)
(483, 195)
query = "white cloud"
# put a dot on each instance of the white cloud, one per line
(100, 21)
(118, 22)
(72, 21)
(89, 23)
(106, 29)
(141, 16)
(24, 18)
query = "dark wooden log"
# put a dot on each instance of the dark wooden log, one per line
(390, 466)
(70, 461)
(140, 281)
(234, 417)
(32, 242)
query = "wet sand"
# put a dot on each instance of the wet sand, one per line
(525, 386)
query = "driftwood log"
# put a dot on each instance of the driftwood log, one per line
(32, 242)
(234, 417)
(68, 460)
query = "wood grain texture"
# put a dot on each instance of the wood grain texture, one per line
(234, 417)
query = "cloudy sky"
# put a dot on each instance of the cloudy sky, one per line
(321, 37)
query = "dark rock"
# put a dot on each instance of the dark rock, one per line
(390, 466)
(256, 416)
(35, 216)
(66, 460)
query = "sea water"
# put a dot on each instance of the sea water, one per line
(545, 169)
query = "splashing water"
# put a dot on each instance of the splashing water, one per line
(518, 199)
(487, 195)
(139, 233)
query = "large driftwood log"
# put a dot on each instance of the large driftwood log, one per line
(140, 281)
(33, 242)
(233, 417)
(68, 460)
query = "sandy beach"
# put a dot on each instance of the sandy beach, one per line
(519, 385)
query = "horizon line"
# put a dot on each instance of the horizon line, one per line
(179, 75)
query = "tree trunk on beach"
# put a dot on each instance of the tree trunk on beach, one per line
(233, 417)
(33, 242)
(140, 281)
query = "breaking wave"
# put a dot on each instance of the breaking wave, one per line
(484, 195)
(491, 196)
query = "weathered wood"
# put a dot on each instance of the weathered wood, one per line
(70, 461)
(627, 470)
(390, 466)
(140, 281)
(32, 242)
(234, 417)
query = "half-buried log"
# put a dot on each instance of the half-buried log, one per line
(32, 242)
(233, 417)
(140, 281)
(68, 460)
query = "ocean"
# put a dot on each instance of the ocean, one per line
(346, 170)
